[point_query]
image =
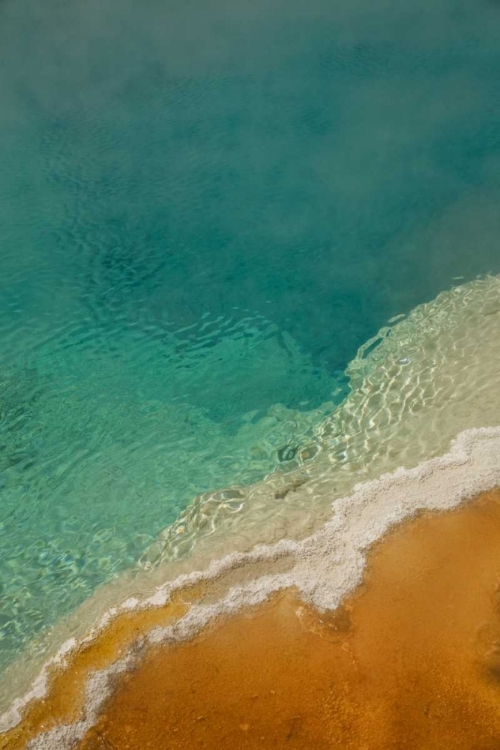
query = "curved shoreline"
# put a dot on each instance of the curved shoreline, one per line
(326, 566)
(409, 659)
(432, 377)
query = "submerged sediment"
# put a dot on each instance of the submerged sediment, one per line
(413, 388)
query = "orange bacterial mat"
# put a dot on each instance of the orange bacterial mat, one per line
(411, 659)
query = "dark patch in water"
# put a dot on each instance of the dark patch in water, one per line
(287, 453)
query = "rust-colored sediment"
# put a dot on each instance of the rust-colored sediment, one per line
(411, 660)
(64, 702)
(65, 699)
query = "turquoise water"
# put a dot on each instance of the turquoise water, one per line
(206, 208)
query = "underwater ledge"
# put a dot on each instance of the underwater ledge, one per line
(74, 692)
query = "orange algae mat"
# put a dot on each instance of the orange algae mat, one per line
(66, 696)
(411, 660)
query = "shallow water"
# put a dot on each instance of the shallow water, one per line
(205, 210)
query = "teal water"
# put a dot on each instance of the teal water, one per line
(205, 209)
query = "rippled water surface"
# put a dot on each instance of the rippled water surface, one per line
(205, 209)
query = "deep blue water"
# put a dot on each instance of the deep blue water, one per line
(205, 209)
